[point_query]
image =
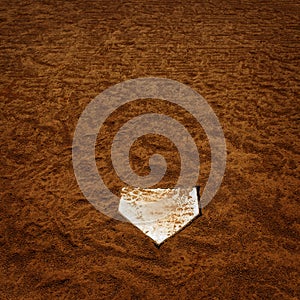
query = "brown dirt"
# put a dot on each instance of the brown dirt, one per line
(242, 56)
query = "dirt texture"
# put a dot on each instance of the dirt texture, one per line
(241, 56)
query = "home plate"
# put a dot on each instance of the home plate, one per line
(159, 213)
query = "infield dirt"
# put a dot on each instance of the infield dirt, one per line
(241, 56)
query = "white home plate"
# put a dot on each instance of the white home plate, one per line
(159, 213)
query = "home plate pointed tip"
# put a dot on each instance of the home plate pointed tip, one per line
(159, 213)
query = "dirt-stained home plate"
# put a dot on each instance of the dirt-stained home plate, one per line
(159, 213)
